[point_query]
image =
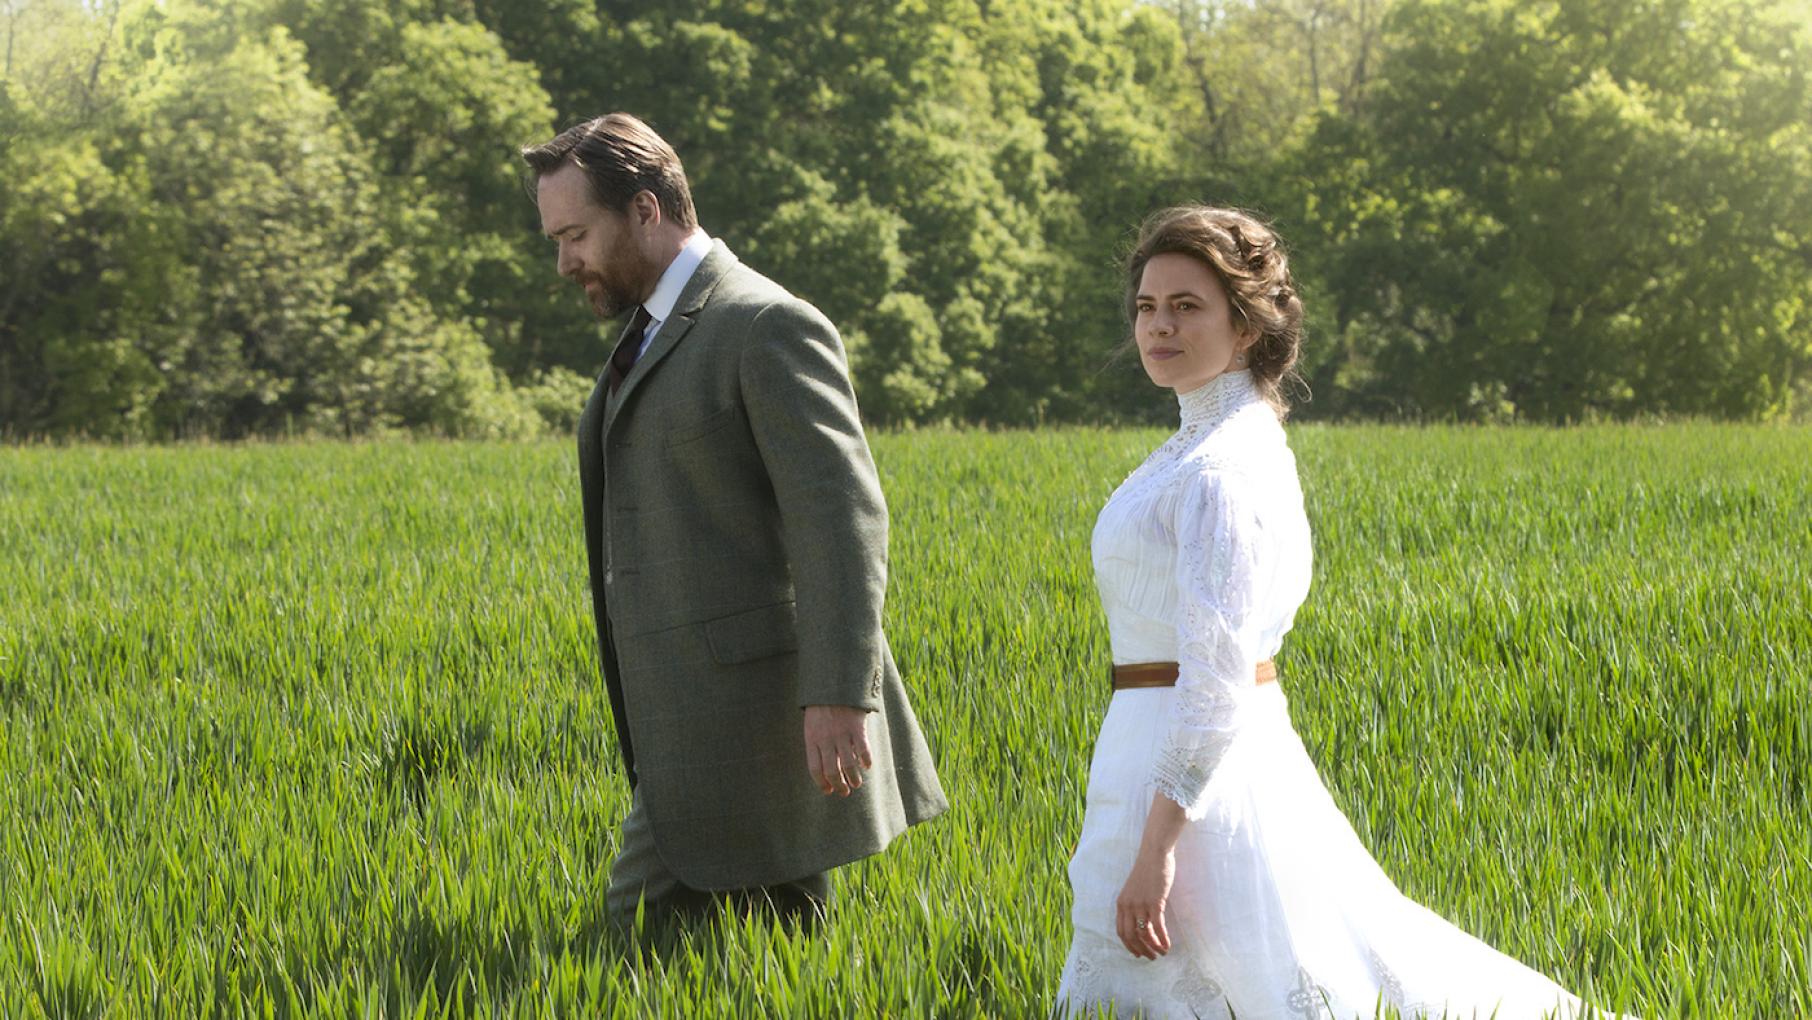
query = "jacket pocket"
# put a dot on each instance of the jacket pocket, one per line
(754, 634)
(699, 428)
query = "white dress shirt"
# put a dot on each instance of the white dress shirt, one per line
(673, 281)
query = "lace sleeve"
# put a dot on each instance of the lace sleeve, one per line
(1218, 550)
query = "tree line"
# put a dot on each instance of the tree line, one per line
(235, 218)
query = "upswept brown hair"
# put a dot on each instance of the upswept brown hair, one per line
(1245, 254)
(622, 157)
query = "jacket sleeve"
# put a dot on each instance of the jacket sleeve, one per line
(1220, 553)
(802, 413)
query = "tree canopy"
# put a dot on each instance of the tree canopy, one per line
(251, 217)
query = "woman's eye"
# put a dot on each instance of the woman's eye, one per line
(1184, 306)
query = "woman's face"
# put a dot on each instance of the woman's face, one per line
(1184, 324)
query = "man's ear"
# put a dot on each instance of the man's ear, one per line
(645, 210)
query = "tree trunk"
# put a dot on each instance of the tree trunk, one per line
(100, 57)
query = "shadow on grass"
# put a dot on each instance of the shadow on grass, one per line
(418, 752)
(456, 966)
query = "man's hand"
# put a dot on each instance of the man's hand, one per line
(836, 747)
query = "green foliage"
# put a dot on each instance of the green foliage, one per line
(205, 255)
(280, 247)
(264, 216)
(446, 117)
(1258, 74)
(558, 396)
(86, 279)
(1567, 210)
(324, 736)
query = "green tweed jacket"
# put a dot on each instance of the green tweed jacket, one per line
(738, 546)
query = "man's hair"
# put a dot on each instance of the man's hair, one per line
(622, 157)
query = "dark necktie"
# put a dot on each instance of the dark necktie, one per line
(629, 347)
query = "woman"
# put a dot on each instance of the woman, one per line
(1214, 876)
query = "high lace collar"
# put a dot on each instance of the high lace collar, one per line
(1209, 405)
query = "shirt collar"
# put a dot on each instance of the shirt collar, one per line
(1219, 399)
(677, 275)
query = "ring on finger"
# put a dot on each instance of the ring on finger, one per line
(1142, 924)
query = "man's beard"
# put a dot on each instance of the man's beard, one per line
(614, 289)
(606, 301)
(608, 298)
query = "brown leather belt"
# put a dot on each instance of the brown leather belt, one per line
(1164, 674)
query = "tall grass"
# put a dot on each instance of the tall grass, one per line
(317, 729)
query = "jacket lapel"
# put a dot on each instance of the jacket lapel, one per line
(697, 291)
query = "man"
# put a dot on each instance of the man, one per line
(738, 540)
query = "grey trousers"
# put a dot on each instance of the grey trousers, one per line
(639, 876)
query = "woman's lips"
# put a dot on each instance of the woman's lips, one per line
(1162, 353)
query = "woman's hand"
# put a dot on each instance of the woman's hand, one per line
(1146, 893)
(1139, 912)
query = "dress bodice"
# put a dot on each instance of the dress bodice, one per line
(1202, 557)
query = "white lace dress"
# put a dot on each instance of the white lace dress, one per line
(1278, 911)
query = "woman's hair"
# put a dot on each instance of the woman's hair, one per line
(1253, 269)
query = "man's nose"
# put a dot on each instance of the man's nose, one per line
(565, 263)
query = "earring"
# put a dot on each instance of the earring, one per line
(1240, 361)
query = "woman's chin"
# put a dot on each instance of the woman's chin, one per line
(1163, 376)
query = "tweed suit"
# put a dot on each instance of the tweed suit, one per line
(737, 541)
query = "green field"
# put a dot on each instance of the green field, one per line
(317, 729)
